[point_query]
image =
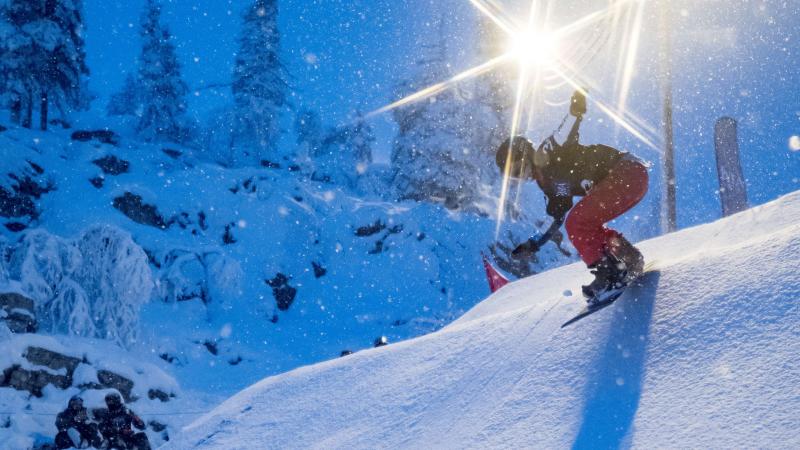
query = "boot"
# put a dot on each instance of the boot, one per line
(609, 273)
(624, 251)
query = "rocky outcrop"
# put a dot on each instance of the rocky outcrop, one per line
(18, 312)
(138, 211)
(56, 361)
(369, 230)
(283, 293)
(111, 165)
(104, 136)
(53, 368)
(109, 379)
(19, 194)
(172, 153)
(32, 381)
(44, 367)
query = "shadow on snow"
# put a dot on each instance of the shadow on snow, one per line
(615, 381)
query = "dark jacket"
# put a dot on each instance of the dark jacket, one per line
(119, 422)
(572, 170)
(79, 420)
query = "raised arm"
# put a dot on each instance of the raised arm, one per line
(577, 108)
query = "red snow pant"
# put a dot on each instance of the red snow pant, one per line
(620, 191)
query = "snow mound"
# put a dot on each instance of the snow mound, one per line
(702, 354)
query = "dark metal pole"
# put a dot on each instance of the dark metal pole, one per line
(732, 190)
(670, 216)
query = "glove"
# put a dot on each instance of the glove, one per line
(526, 249)
(577, 105)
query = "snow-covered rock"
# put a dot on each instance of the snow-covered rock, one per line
(18, 312)
(38, 375)
(702, 353)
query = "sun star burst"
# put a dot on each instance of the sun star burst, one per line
(546, 62)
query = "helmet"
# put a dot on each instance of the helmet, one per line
(75, 402)
(113, 400)
(514, 152)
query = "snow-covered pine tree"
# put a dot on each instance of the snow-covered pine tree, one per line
(17, 59)
(345, 152)
(127, 101)
(308, 129)
(41, 44)
(493, 95)
(62, 79)
(162, 89)
(432, 159)
(259, 85)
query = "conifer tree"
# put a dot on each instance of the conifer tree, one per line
(127, 101)
(493, 99)
(259, 84)
(309, 132)
(42, 57)
(162, 89)
(345, 152)
(432, 159)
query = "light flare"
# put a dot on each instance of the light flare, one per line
(532, 48)
(544, 65)
(613, 115)
(439, 87)
(493, 16)
(630, 60)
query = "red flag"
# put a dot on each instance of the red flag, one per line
(496, 281)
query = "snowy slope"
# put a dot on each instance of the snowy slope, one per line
(278, 223)
(702, 355)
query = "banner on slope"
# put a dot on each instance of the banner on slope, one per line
(496, 280)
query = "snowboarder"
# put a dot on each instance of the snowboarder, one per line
(74, 428)
(116, 425)
(610, 181)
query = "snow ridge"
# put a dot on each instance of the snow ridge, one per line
(702, 353)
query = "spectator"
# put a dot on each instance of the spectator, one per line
(74, 428)
(117, 423)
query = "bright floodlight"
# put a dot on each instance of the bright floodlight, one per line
(532, 48)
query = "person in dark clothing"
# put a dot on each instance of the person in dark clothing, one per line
(117, 423)
(76, 418)
(611, 182)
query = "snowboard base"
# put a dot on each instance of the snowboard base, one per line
(608, 297)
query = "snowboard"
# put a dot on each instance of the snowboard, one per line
(606, 298)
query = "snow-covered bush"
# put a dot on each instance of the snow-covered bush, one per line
(41, 262)
(92, 286)
(204, 275)
(117, 278)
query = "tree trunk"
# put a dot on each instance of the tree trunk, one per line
(16, 110)
(28, 119)
(43, 112)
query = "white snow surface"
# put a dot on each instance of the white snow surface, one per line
(282, 222)
(702, 354)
